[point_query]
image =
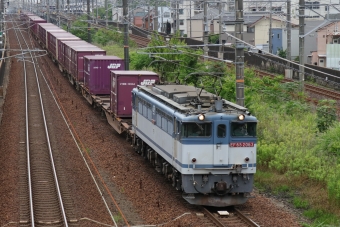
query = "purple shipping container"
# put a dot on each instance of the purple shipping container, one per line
(74, 57)
(77, 60)
(97, 73)
(64, 50)
(122, 83)
(53, 39)
(43, 28)
(33, 24)
(63, 46)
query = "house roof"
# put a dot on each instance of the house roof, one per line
(211, 13)
(294, 22)
(140, 14)
(248, 19)
(228, 18)
(329, 25)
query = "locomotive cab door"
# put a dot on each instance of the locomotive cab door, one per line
(220, 146)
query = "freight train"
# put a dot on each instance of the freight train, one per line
(205, 145)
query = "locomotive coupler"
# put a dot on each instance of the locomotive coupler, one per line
(221, 187)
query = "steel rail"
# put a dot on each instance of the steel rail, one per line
(47, 138)
(213, 218)
(27, 140)
(246, 219)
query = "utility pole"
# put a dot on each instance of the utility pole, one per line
(1, 17)
(58, 11)
(177, 15)
(155, 19)
(88, 22)
(190, 21)
(68, 6)
(270, 30)
(205, 29)
(301, 41)
(289, 32)
(48, 11)
(106, 15)
(289, 37)
(239, 53)
(162, 27)
(149, 16)
(220, 54)
(126, 34)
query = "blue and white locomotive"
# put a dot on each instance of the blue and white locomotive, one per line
(204, 144)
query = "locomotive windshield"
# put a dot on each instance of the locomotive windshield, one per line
(196, 130)
(243, 129)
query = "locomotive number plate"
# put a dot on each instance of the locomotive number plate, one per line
(242, 144)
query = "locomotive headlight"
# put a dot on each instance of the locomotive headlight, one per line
(193, 160)
(241, 117)
(246, 159)
(201, 117)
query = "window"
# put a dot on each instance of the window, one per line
(170, 127)
(312, 5)
(164, 124)
(166, 15)
(221, 131)
(326, 8)
(140, 107)
(277, 9)
(181, 11)
(181, 22)
(243, 129)
(149, 114)
(181, 32)
(196, 130)
(278, 36)
(159, 120)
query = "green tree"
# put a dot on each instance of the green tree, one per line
(79, 28)
(173, 60)
(282, 53)
(326, 112)
(214, 38)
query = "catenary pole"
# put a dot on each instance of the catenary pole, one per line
(205, 29)
(301, 41)
(126, 34)
(239, 53)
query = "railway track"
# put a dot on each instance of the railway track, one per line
(141, 41)
(41, 201)
(230, 217)
(311, 89)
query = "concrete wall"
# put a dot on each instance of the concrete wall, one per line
(5, 65)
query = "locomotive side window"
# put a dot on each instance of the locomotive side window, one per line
(140, 106)
(243, 129)
(164, 121)
(196, 130)
(221, 131)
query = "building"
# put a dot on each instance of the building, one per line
(279, 41)
(228, 26)
(164, 16)
(327, 53)
(261, 27)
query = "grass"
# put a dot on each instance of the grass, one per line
(309, 196)
(116, 50)
(117, 218)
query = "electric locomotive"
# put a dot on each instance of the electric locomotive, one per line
(204, 144)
